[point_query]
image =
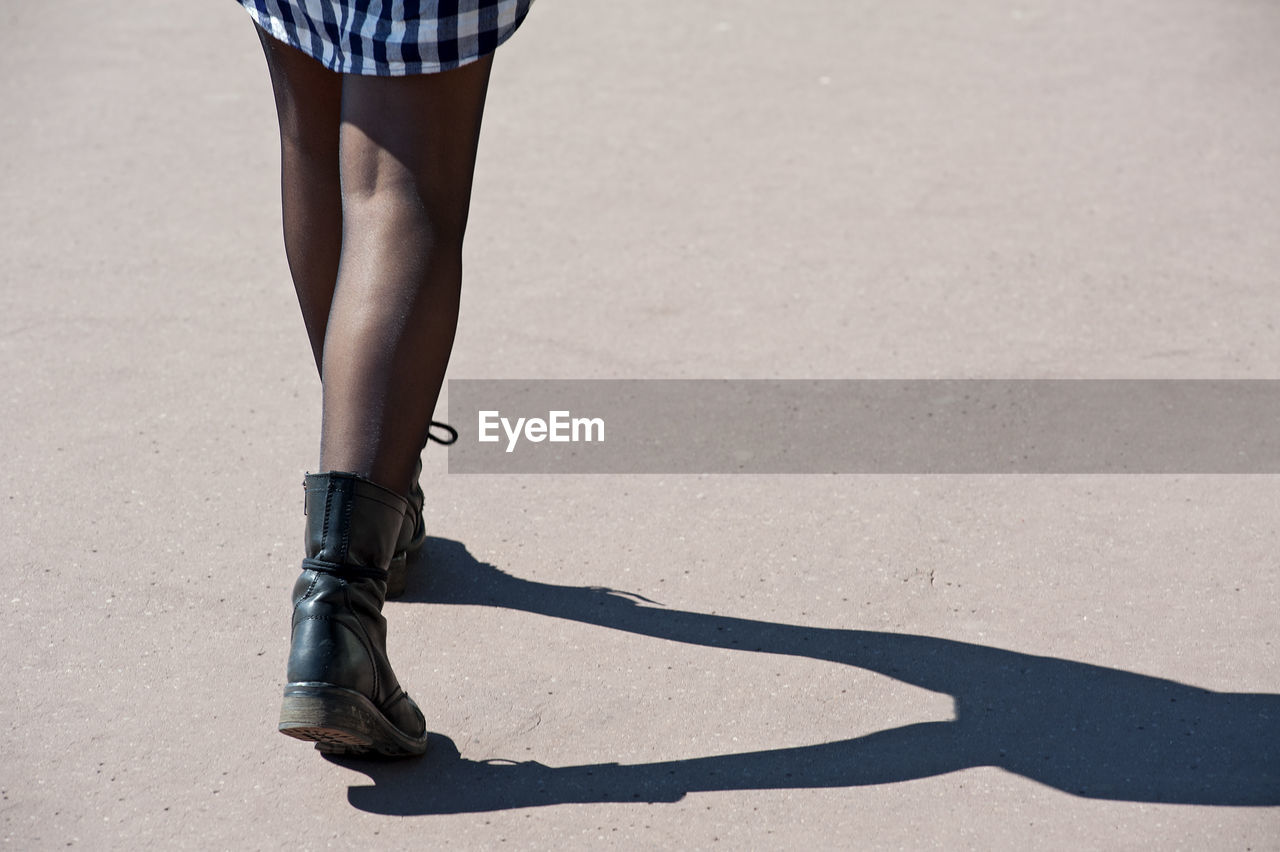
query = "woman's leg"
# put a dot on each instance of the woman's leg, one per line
(407, 151)
(429, 127)
(308, 105)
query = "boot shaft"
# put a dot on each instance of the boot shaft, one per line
(352, 524)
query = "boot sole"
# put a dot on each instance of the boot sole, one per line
(342, 721)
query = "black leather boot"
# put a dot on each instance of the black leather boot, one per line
(341, 691)
(413, 534)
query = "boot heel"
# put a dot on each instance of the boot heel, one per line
(329, 716)
(342, 721)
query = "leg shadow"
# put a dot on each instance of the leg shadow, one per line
(1086, 730)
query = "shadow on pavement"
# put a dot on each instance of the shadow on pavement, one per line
(1083, 729)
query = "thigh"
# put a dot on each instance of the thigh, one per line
(415, 135)
(308, 98)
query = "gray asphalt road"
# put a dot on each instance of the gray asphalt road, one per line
(919, 189)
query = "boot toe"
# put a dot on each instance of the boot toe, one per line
(403, 712)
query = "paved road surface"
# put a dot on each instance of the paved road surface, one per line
(853, 189)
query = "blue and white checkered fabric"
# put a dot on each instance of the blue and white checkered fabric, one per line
(390, 38)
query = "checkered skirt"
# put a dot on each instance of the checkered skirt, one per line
(390, 38)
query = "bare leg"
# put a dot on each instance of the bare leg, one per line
(308, 105)
(405, 156)
(407, 151)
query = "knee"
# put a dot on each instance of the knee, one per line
(406, 215)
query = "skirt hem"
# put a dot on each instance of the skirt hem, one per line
(363, 65)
